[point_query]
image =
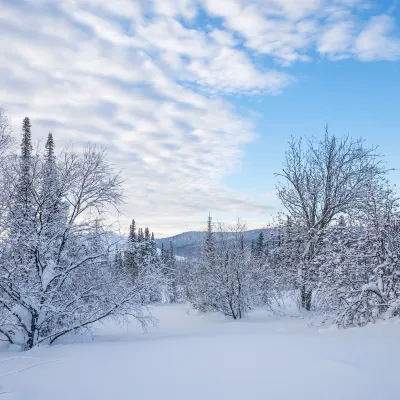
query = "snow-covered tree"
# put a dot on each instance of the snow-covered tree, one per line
(319, 182)
(54, 273)
(376, 292)
(222, 278)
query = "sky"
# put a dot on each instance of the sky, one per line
(195, 100)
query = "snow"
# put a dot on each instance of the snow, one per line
(190, 356)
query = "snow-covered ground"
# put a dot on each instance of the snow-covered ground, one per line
(205, 357)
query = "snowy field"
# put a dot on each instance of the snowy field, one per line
(197, 357)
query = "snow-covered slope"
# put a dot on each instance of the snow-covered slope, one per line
(189, 244)
(190, 356)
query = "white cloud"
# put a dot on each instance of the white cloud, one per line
(336, 40)
(224, 38)
(136, 76)
(230, 70)
(377, 40)
(175, 8)
(288, 29)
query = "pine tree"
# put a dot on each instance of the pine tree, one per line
(132, 232)
(118, 261)
(342, 221)
(171, 268)
(26, 164)
(131, 262)
(26, 145)
(23, 215)
(53, 212)
(50, 178)
(162, 253)
(140, 236)
(260, 245)
(209, 243)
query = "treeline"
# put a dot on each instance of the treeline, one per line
(336, 247)
(57, 257)
(139, 257)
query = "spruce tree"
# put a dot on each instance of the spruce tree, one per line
(260, 245)
(209, 245)
(23, 221)
(342, 221)
(171, 268)
(162, 253)
(53, 213)
(26, 145)
(26, 161)
(131, 254)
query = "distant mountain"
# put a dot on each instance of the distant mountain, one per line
(189, 244)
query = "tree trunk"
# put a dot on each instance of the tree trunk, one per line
(305, 297)
(31, 334)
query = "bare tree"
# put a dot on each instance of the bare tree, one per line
(54, 271)
(320, 180)
(5, 133)
(222, 278)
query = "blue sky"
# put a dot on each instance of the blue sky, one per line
(196, 99)
(359, 99)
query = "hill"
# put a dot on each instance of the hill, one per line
(189, 244)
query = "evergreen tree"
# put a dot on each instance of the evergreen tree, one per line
(260, 245)
(140, 236)
(24, 195)
(53, 212)
(22, 212)
(209, 243)
(131, 254)
(162, 253)
(118, 261)
(171, 268)
(26, 145)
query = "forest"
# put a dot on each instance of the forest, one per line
(334, 248)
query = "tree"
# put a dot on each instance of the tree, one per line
(374, 257)
(5, 135)
(222, 278)
(259, 249)
(209, 243)
(170, 270)
(131, 256)
(54, 271)
(320, 182)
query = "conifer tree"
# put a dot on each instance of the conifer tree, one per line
(131, 254)
(209, 243)
(26, 165)
(26, 145)
(171, 268)
(342, 221)
(23, 216)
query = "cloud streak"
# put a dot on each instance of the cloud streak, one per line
(150, 80)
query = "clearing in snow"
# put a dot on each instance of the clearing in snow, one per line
(189, 356)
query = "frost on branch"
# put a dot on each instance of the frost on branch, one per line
(55, 251)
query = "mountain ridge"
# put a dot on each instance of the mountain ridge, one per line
(189, 244)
